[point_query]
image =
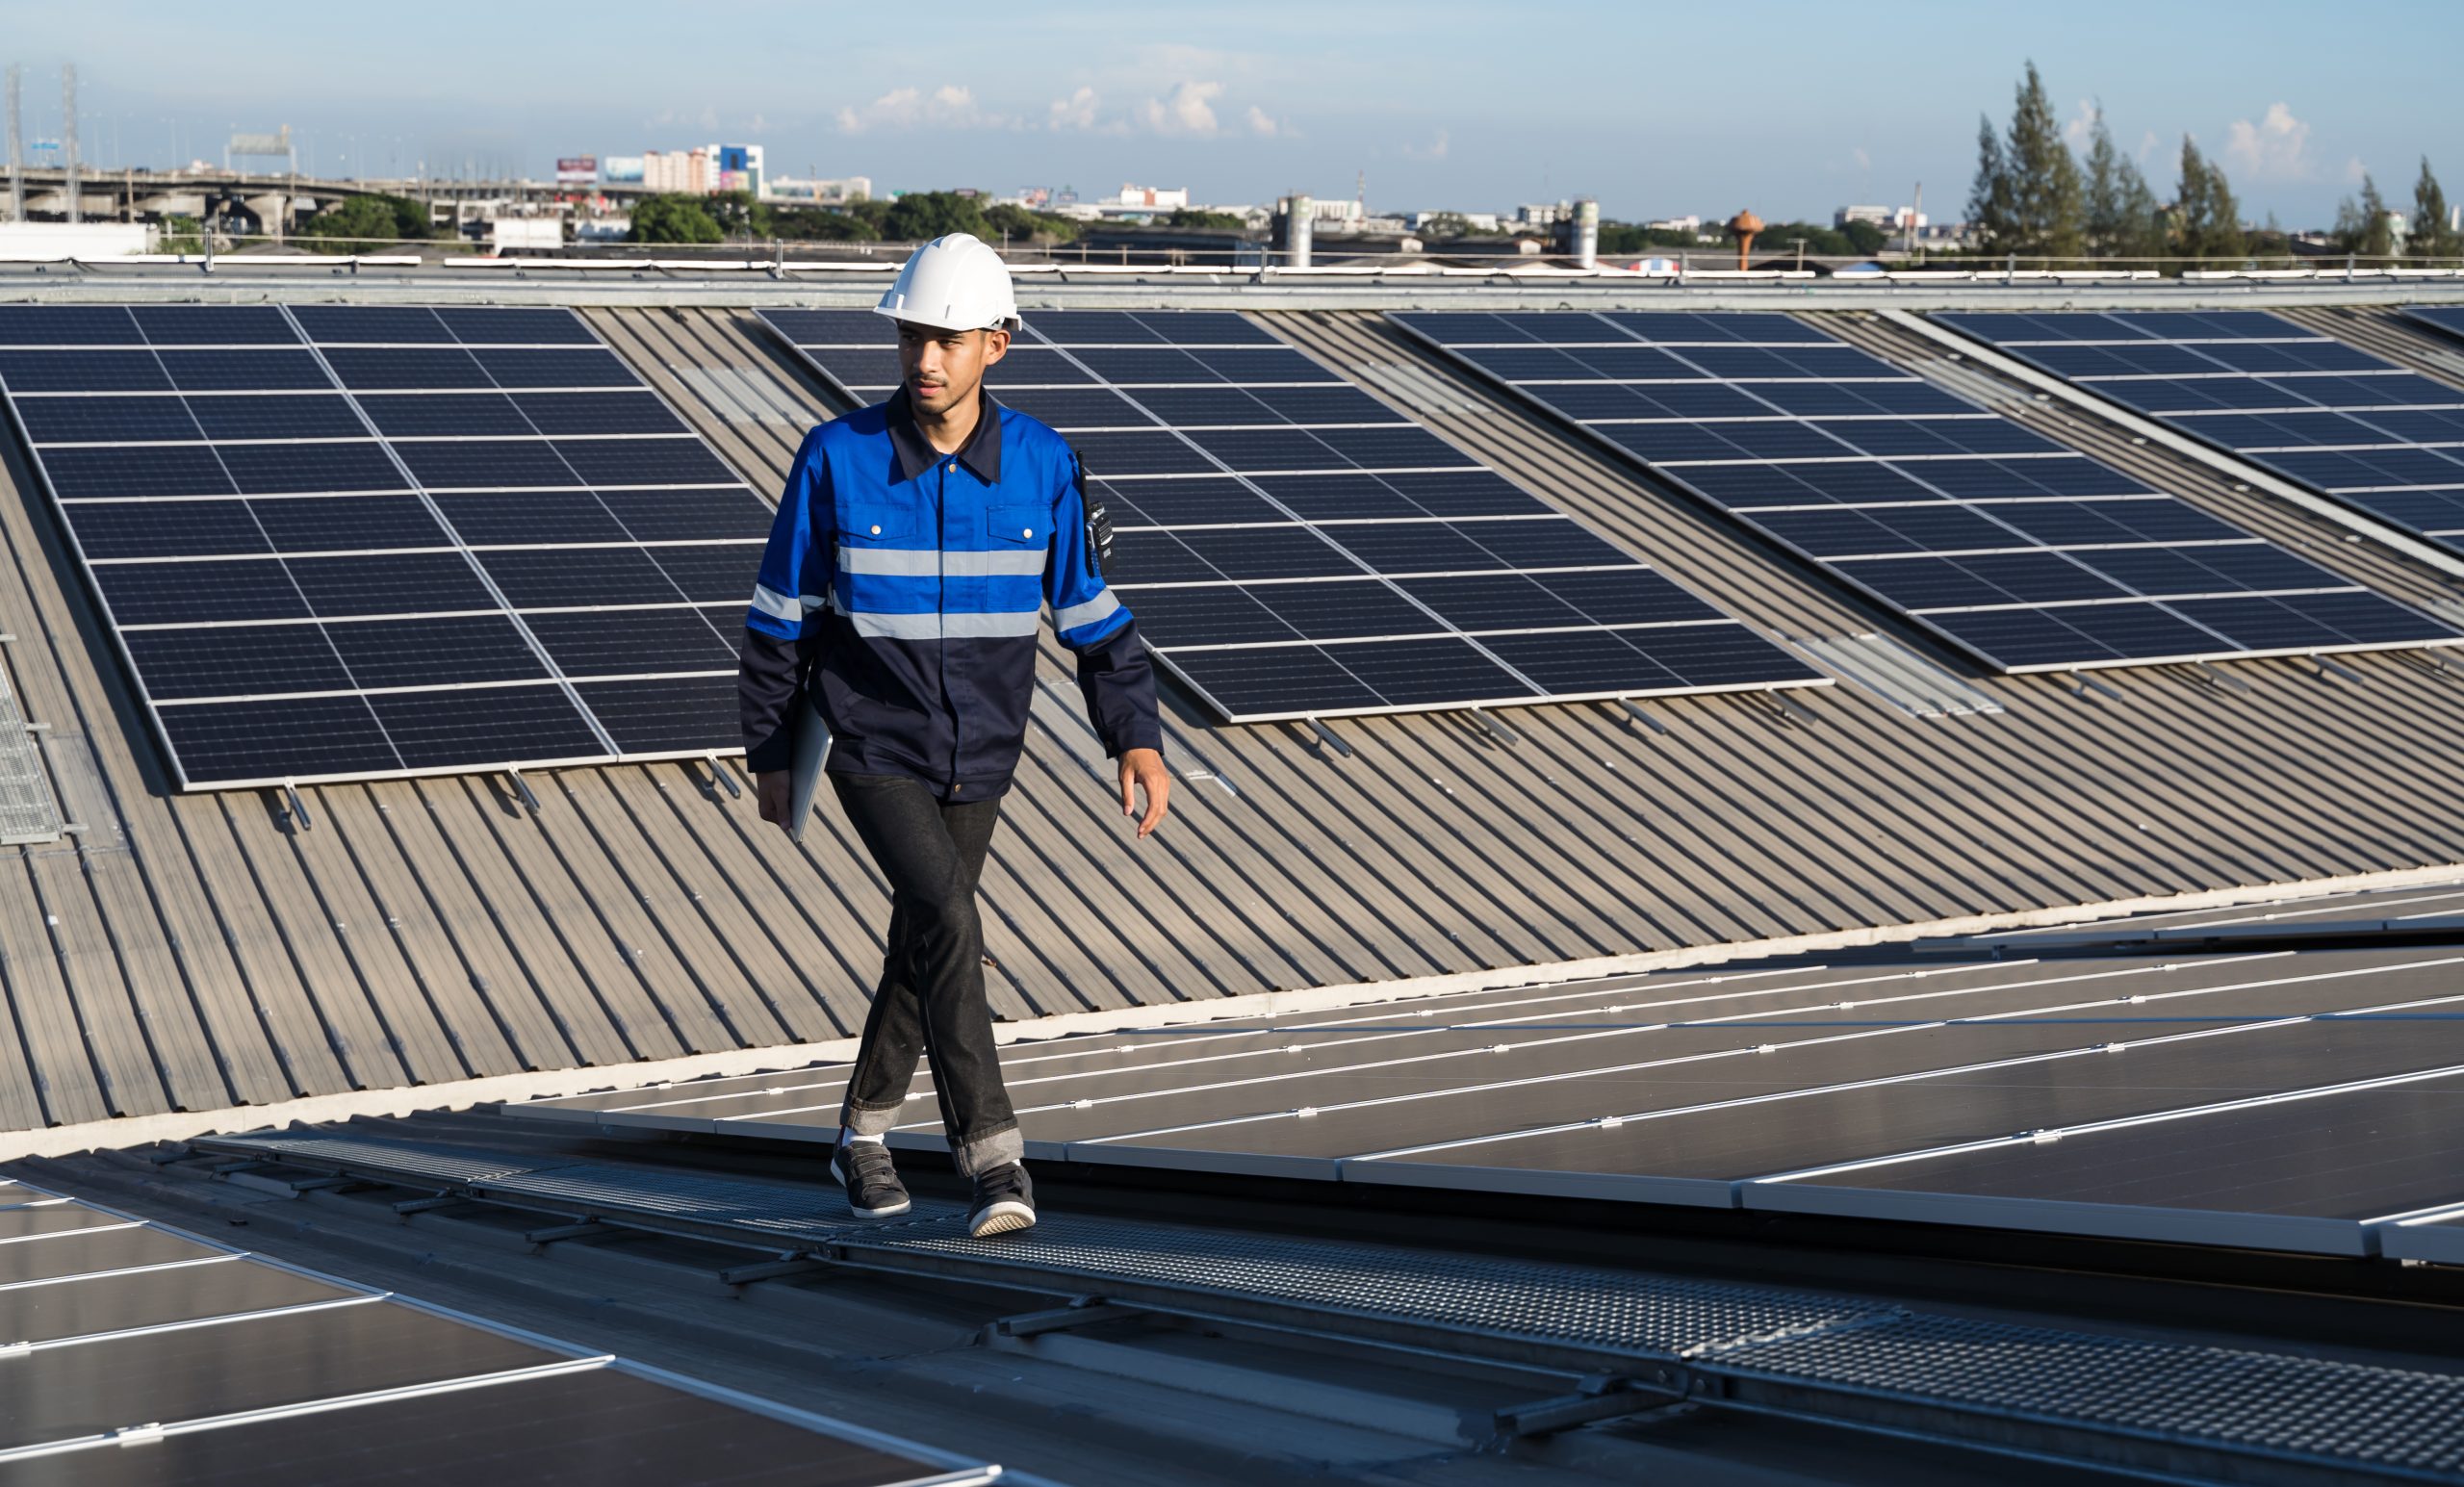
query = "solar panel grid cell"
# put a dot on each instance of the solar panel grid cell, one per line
(1937, 506)
(2313, 409)
(290, 461)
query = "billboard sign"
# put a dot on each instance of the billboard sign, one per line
(576, 170)
(621, 169)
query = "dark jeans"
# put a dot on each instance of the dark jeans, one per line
(930, 1000)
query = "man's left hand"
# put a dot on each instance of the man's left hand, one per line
(1142, 769)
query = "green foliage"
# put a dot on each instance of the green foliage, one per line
(2045, 180)
(1993, 213)
(2432, 239)
(1021, 225)
(673, 220)
(817, 224)
(1618, 239)
(181, 235)
(1226, 221)
(1865, 237)
(921, 215)
(2362, 227)
(2207, 222)
(2121, 215)
(366, 224)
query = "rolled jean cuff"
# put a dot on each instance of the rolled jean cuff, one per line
(986, 1150)
(869, 1119)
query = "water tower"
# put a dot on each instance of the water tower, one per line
(1745, 224)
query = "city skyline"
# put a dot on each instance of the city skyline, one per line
(1440, 105)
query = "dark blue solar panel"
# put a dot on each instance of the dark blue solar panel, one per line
(278, 469)
(2309, 408)
(237, 661)
(213, 326)
(668, 715)
(109, 420)
(107, 529)
(342, 524)
(630, 642)
(67, 325)
(247, 369)
(436, 651)
(177, 501)
(374, 324)
(1936, 507)
(82, 372)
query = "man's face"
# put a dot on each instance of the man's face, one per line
(942, 368)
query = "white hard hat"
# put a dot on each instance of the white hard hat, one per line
(954, 283)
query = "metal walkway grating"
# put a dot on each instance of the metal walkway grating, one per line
(2200, 1408)
(28, 813)
(2271, 1403)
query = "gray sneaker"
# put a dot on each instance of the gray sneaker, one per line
(873, 1188)
(1005, 1202)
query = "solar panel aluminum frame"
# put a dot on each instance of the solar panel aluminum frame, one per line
(1440, 628)
(335, 386)
(1842, 573)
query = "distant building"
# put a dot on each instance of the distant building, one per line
(837, 191)
(1542, 215)
(1161, 198)
(704, 170)
(679, 172)
(1693, 224)
(1879, 216)
(1473, 222)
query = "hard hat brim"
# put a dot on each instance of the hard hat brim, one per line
(1011, 324)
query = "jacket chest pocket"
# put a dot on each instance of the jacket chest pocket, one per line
(1019, 526)
(877, 524)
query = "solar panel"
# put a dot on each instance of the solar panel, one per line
(2378, 437)
(1293, 547)
(2447, 318)
(2030, 555)
(340, 542)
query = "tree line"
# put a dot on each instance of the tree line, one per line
(740, 215)
(2033, 198)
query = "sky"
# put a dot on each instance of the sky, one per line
(1788, 108)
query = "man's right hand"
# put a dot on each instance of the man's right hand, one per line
(772, 791)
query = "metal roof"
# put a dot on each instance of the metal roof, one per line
(187, 954)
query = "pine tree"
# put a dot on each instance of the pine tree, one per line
(2048, 217)
(2191, 207)
(2377, 235)
(2431, 238)
(2103, 191)
(1988, 200)
(2142, 217)
(2222, 239)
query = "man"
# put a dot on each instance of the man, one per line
(914, 544)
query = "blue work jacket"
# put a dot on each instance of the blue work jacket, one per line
(904, 587)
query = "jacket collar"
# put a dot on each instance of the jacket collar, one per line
(981, 454)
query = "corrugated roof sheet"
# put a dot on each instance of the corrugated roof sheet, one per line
(198, 952)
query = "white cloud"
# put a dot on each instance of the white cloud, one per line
(1436, 149)
(947, 107)
(1864, 161)
(2147, 143)
(2082, 126)
(1189, 108)
(2275, 148)
(1261, 122)
(1075, 112)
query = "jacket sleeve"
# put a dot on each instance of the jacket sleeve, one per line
(783, 629)
(1113, 669)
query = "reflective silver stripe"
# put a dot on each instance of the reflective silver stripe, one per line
(942, 626)
(1026, 561)
(913, 562)
(1099, 607)
(771, 601)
